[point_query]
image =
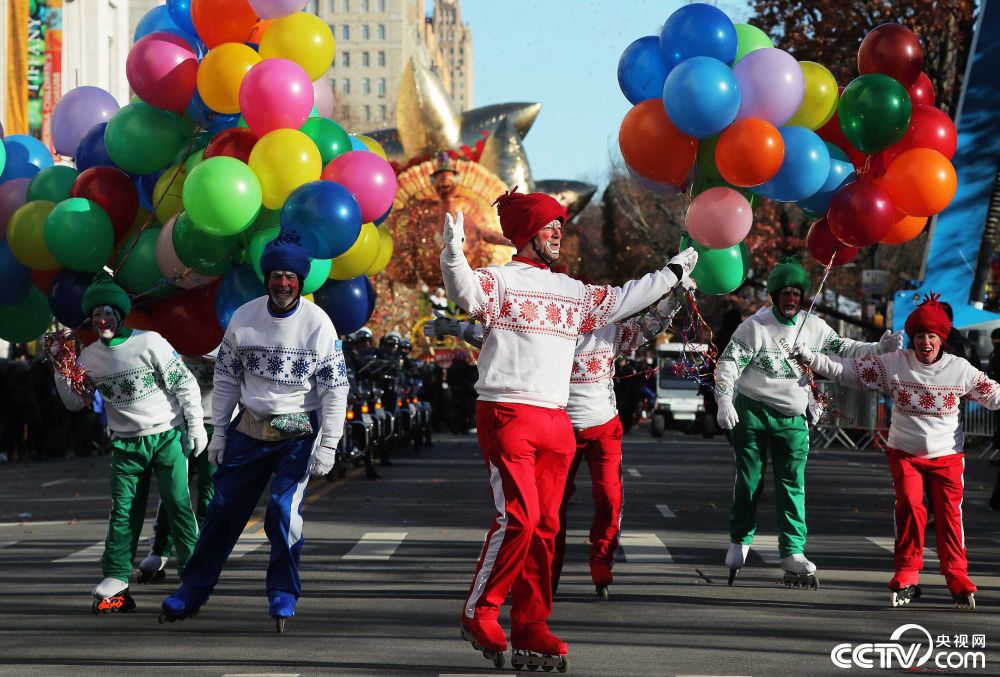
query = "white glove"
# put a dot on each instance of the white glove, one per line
(687, 260)
(217, 448)
(727, 418)
(322, 459)
(197, 438)
(803, 354)
(890, 342)
(689, 284)
(454, 232)
(441, 326)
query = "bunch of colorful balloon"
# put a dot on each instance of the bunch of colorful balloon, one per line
(229, 139)
(721, 113)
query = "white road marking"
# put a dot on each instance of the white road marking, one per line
(262, 674)
(633, 472)
(248, 543)
(665, 510)
(767, 548)
(6, 544)
(92, 553)
(55, 482)
(376, 545)
(644, 548)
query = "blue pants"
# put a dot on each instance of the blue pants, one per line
(239, 482)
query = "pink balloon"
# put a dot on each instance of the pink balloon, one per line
(162, 68)
(170, 264)
(275, 94)
(772, 85)
(13, 194)
(719, 218)
(323, 97)
(369, 178)
(275, 9)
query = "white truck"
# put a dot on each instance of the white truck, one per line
(677, 397)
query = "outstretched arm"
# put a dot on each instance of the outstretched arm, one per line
(470, 289)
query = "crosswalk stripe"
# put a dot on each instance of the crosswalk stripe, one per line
(262, 674)
(376, 545)
(930, 556)
(248, 543)
(92, 553)
(6, 544)
(55, 482)
(665, 510)
(633, 472)
(767, 548)
(644, 548)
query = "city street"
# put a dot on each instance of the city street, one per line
(386, 565)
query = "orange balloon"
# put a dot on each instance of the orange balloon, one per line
(221, 73)
(219, 21)
(749, 152)
(653, 147)
(921, 182)
(904, 228)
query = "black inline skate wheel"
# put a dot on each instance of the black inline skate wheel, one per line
(498, 661)
(564, 664)
(93, 607)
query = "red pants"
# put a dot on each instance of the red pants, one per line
(528, 451)
(944, 483)
(601, 445)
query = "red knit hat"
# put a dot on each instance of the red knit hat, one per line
(928, 316)
(521, 216)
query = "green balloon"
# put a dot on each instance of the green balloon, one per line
(27, 320)
(708, 176)
(137, 268)
(319, 269)
(748, 39)
(719, 271)
(874, 112)
(207, 254)
(193, 160)
(79, 235)
(142, 139)
(222, 196)
(329, 137)
(192, 146)
(52, 183)
(3, 156)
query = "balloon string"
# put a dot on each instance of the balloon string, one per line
(819, 290)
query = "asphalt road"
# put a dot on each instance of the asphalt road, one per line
(386, 565)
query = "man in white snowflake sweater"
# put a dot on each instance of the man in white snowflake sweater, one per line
(155, 415)
(281, 358)
(763, 401)
(925, 441)
(531, 319)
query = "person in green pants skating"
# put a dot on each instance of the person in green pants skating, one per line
(154, 412)
(763, 401)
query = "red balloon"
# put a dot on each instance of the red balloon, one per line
(234, 142)
(832, 133)
(162, 68)
(892, 49)
(922, 91)
(823, 245)
(219, 21)
(43, 279)
(188, 320)
(929, 127)
(113, 191)
(861, 213)
(653, 147)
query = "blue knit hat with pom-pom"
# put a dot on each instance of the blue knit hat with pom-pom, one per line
(285, 252)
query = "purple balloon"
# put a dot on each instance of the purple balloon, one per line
(276, 9)
(13, 194)
(79, 110)
(771, 85)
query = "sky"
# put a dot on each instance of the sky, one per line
(564, 54)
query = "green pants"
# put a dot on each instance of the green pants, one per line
(763, 431)
(202, 470)
(133, 462)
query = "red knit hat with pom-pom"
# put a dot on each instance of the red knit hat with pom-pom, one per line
(522, 215)
(928, 316)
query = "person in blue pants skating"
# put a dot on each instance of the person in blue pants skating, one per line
(281, 358)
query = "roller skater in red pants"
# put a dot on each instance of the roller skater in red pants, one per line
(531, 319)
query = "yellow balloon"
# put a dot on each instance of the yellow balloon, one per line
(221, 73)
(371, 144)
(26, 235)
(360, 257)
(283, 160)
(384, 252)
(167, 192)
(309, 297)
(303, 38)
(820, 100)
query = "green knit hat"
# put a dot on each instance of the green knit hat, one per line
(104, 292)
(788, 273)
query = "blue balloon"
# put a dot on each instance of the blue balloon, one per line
(158, 20)
(26, 156)
(91, 152)
(349, 303)
(697, 30)
(66, 296)
(358, 144)
(15, 277)
(325, 215)
(804, 170)
(841, 174)
(641, 71)
(239, 285)
(144, 185)
(208, 119)
(180, 12)
(701, 96)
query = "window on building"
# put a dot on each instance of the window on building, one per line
(366, 85)
(331, 6)
(365, 33)
(381, 58)
(368, 113)
(381, 31)
(381, 8)
(345, 59)
(345, 32)
(365, 6)
(347, 86)
(382, 112)
(333, 84)
(347, 6)
(380, 86)
(365, 61)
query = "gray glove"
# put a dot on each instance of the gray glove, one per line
(323, 457)
(217, 447)
(442, 325)
(687, 260)
(727, 418)
(197, 438)
(890, 342)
